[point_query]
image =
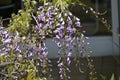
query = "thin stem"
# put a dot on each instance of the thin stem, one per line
(103, 21)
(6, 64)
(90, 66)
(77, 56)
(64, 61)
(35, 18)
(45, 2)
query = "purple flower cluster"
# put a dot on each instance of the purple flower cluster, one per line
(62, 25)
(41, 54)
(10, 44)
(50, 20)
(21, 48)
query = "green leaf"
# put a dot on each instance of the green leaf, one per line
(112, 77)
(31, 75)
(0, 40)
(63, 4)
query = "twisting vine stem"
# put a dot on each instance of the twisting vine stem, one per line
(97, 14)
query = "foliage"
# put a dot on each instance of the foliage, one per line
(21, 21)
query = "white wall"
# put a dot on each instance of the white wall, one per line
(100, 46)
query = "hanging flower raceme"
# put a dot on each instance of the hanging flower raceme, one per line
(23, 49)
(10, 44)
(51, 20)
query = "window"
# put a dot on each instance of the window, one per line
(92, 26)
(7, 7)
